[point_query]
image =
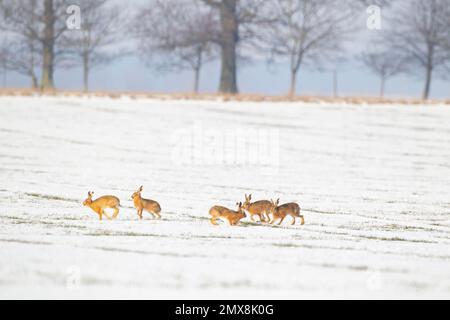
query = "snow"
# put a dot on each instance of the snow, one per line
(372, 182)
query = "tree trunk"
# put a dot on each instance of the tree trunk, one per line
(382, 85)
(34, 81)
(5, 73)
(426, 92)
(32, 73)
(86, 72)
(32, 48)
(196, 80)
(48, 46)
(229, 39)
(197, 68)
(293, 87)
(335, 84)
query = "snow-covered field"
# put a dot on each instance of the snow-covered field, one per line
(373, 183)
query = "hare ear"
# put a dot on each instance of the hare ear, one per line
(249, 197)
(278, 200)
(141, 188)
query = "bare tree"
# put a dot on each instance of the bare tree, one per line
(446, 42)
(229, 37)
(237, 19)
(21, 52)
(176, 35)
(4, 52)
(54, 23)
(385, 65)
(418, 30)
(307, 31)
(20, 56)
(41, 21)
(102, 26)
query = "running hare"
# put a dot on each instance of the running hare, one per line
(142, 204)
(288, 209)
(230, 216)
(99, 205)
(259, 208)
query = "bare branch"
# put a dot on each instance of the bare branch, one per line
(419, 31)
(96, 43)
(306, 32)
(177, 35)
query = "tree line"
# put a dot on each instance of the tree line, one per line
(173, 35)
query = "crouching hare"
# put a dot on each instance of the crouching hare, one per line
(148, 205)
(230, 216)
(288, 209)
(99, 205)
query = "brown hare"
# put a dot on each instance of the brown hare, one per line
(142, 204)
(281, 212)
(230, 216)
(259, 208)
(99, 205)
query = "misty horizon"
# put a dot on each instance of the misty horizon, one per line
(130, 74)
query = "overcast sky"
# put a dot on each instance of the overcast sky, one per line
(131, 74)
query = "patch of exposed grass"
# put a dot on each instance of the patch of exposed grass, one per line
(286, 245)
(25, 241)
(51, 197)
(397, 239)
(110, 233)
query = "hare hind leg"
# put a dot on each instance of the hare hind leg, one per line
(302, 220)
(156, 214)
(102, 212)
(116, 212)
(293, 221)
